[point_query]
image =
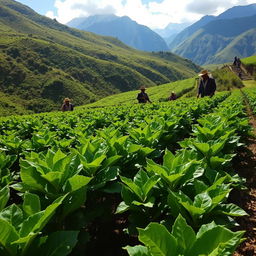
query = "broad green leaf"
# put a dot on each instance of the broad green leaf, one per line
(156, 168)
(158, 240)
(59, 243)
(73, 201)
(4, 196)
(12, 214)
(168, 159)
(110, 161)
(205, 228)
(203, 201)
(31, 204)
(8, 234)
(141, 178)
(214, 238)
(132, 186)
(32, 178)
(216, 161)
(138, 250)
(146, 151)
(216, 148)
(204, 148)
(76, 182)
(151, 182)
(58, 156)
(36, 222)
(184, 234)
(29, 224)
(122, 207)
(176, 207)
(54, 178)
(231, 210)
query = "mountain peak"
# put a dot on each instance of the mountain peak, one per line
(124, 28)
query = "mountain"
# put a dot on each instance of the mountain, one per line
(126, 30)
(187, 32)
(238, 12)
(220, 38)
(43, 61)
(171, 30)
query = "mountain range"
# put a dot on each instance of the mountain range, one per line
(43, 61)
(218, 39)
(123, 28)
(171, 31)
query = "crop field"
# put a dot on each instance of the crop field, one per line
(156, 93)
(150, 179)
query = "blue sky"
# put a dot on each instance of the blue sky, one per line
(152, 13)
(41, 6)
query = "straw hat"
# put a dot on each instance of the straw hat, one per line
(142, 88)
(66, 100)
(203, 72)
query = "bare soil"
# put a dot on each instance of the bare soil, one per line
(245, 165)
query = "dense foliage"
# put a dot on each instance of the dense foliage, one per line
(66, 176)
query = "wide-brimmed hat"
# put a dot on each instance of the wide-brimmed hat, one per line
(142, 88)
(204, 72)
(66, 100)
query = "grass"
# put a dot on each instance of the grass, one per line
(249, 61)
(156, 94)
(249, 83)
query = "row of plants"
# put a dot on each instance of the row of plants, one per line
(192, 186)
(53, 168)
(250, 95)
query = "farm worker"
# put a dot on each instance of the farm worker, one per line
(207, 85)
(142, 96)
(67, 106)
(173, 96)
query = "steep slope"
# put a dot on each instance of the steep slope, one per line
(232, 13)
(242, 45)
(126, 30)
(43, 61)
(209, 44)
(187, 32)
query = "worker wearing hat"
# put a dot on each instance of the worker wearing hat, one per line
(142, 96)
(207, 85)
(67, 106)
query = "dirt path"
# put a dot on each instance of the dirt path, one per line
(245, 165)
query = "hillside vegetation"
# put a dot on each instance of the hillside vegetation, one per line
(219, 39)
(225, 80)
(43, 61)
(250, 65)
(156, 94)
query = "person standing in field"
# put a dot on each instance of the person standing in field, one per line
(207, 85)
(173, 96)
(142, 96)
(67, 106)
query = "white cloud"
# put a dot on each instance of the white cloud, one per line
(154, 14)
(50, 14)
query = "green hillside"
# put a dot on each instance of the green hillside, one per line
(43, 61)
(156, 94)
(250, 64)
(220, 40)
(225, 80)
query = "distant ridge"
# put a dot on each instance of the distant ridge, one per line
(126, 30)
(218, 39)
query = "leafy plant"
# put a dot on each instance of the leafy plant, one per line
(211, 239)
